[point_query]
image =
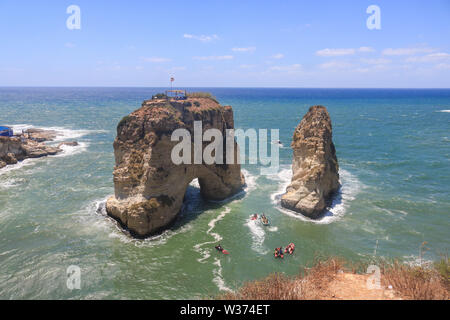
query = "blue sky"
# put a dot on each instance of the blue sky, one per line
(226, 44)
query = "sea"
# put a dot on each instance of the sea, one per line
(393, 148)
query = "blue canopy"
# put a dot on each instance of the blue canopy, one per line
(6, 132)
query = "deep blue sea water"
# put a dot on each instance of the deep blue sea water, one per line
(393, 148)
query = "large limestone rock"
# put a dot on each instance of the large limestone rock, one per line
(149, 187)
(315, 167)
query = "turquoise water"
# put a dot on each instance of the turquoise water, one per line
(393, 147)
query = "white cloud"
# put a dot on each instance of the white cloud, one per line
(248, 49)
(214, 58)
(342, 51)
(177, 69)
(202, 38)
(156, 59)
(246, 66)
(278, 56)
(430, 57)
(405, 51)
(289, 68)
(335, 52)
(378, 61)
(362, 70)
(443, 66)
(336, 65)
(366, 49)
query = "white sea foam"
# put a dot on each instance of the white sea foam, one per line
(19, 165)
(96, 210)
(213, 222)
(443, 111)
(194, 183)
(206, 253)
(258, 235)
(218, 278)
(62, 134)
(250, 185)
(350, 187)
(250, 181)
(72, 150)
(10, 183)
(277, 143)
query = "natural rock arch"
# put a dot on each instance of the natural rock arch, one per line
(149, 187)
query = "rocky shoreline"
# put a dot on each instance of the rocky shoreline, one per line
(30, 143)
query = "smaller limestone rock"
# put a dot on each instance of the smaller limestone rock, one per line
(315, 167)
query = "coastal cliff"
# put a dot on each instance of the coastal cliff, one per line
(29, 144)
(149, 187)
(315, 167)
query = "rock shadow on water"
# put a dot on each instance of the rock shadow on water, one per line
(193, 206)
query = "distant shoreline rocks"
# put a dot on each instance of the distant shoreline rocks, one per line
(29, 144)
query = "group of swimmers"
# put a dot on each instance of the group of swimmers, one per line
(279, 252)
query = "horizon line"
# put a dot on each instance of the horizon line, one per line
(225, 87)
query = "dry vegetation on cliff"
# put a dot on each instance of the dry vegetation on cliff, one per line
(206, 95)
(336, 279)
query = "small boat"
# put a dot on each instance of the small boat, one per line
(220, 249)
(265, 221)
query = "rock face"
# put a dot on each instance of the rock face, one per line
(149, 187)
(40, 135)
(315, 167)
